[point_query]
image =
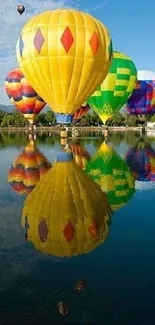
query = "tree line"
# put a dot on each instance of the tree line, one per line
(16, 119)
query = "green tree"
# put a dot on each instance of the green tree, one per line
(18, 119)
(2, 113)
(40, 119)
(7, 120)
(130, 120)
(152, 119)
(50, 117)
(117, 119)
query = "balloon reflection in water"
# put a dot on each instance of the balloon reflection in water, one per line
(141, 160)
(66, 214)
(80, 155)
(27, 169)
(110, 171)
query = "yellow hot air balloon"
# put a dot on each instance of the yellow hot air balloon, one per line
(67, 213)
(61, 53)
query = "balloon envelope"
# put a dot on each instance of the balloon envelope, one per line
(20, 9)
(110, 171)
(61, 53)
(66, 214)
(81, 112)
(23, 96)
(142, 100)
(139, 160)
(115, 90)
(27, 169)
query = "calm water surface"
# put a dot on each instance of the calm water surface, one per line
(119, 273)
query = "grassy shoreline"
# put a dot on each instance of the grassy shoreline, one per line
(79, 128)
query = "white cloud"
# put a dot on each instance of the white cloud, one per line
(99, 5)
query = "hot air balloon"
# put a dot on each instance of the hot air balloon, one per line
(27, 169)
(20, 9)
(142, 101)
(66, 214)
(81, 112)
(61, 53)
(23, 96)
(111, 172)
(115, 90)
(140, 161)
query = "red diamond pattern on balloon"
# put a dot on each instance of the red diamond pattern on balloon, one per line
(43, 231)
(94, 43)
(67, 39)
(38, 40)
(69, 232)
(93, 229)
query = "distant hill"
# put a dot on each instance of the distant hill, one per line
(7, 108)
(11, 108)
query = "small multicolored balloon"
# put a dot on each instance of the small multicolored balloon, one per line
(82, 111)
(23, 96)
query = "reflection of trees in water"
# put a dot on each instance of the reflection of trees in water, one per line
(116, 138)
(8, 139)
(84, 141)
(131, 138)
(20, 139)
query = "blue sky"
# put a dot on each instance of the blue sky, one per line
(130, 23)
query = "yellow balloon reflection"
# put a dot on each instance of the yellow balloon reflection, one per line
(111, 172)
(27, 169)
(66, 214)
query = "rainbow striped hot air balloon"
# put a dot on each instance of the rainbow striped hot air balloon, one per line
(117, 87)
(111, 172)
(73, 214)
(142, 101)
(27, 169)
(23, 96)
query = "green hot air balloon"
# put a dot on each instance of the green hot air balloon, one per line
(113, 175)
(116, 88)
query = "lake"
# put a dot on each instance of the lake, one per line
(69, 230)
